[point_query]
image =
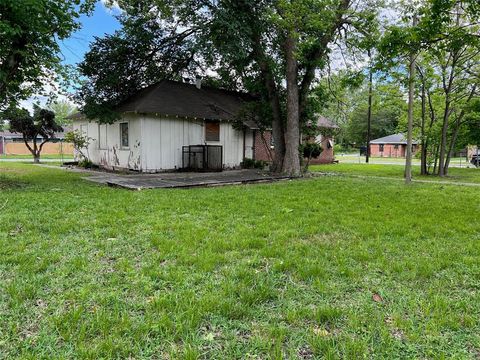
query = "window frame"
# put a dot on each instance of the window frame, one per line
(100, 137)
(381, 147)
(122, 147)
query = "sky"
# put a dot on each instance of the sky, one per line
(73, 49)
(101, 22)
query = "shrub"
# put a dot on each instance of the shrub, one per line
(253, 164)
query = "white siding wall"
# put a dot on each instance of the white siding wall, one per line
(232, 142)
(164, 138)
(155, 144)
(105, 147)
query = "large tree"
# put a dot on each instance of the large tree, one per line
(29, 35)
(36, 130)
(272, 48)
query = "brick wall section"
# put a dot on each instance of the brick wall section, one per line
(327, 156)
(261, 151)
(389, 150)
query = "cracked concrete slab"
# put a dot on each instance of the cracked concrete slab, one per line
(182, 180)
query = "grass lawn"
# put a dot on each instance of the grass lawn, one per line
(330, 267)
(357, 159)
(468, 175)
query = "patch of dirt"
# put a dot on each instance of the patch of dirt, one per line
(305, 353)
(6, 183)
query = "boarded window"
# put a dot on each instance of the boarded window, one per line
(124, 135)
(102, 136)
(212, 131)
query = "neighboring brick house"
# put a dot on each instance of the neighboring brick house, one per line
(391, 146)
(264, 146)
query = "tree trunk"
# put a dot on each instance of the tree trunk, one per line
(435, 163)
(279, 144)
(291, 162)
(411, 83)
(274, 101)
(36, 158)
(369, 114)
(443, 140)
(423, 157)
(451, 148)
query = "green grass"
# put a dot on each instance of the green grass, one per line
(284, 270)
(470, 175)
(357, 159)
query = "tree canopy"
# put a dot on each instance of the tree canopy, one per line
(271, 48)
(29, 50)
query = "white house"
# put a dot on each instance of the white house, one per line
(159, 123)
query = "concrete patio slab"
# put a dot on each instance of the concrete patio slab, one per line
(182, 180)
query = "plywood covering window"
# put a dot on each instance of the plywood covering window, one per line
(212, 130)
(124, 135)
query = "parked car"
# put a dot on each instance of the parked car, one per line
(475, 160)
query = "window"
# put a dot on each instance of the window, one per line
(102, 136)
(212, 131)
(124, 135)
(380, 147)
(396, 147)
(84, 129)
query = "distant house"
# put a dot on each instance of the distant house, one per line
(12, 144)
(391, 146)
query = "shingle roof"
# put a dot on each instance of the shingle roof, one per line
(326, 123)
(392, 139)
(186, 100)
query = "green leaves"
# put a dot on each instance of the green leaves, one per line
(29, 31)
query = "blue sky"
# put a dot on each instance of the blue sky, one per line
(101, 22)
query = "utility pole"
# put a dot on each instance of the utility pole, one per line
(369, 114)
(411, 83)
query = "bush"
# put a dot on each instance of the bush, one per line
(248, 163)
(253, 164)
(85, 163)
(311, 150)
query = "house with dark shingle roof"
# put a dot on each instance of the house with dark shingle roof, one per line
(391, 146)
(172, 125)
